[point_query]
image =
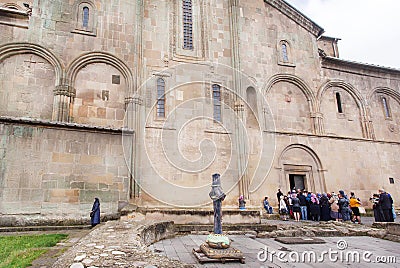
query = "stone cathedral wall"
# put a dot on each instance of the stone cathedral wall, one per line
(66, 86)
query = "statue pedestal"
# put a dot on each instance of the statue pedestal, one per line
(217, 249)
(208, 254)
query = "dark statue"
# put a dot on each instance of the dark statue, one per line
(217, 196)
(217, 246)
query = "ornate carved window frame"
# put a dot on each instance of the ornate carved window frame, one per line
(285, 58)
(91, 28)
(196, 53)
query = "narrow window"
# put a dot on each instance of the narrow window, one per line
(160, 97)
(385, 107)
(391, 180)
(284, 53)
(339, 103)
(217, 102)
(187, 24)
(85, 19)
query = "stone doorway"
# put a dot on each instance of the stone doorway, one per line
(299, 160)
(297, 181)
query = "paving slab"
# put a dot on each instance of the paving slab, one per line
(345, 252)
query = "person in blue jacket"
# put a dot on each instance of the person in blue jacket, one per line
(95, 213)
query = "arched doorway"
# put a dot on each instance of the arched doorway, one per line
(301, 168)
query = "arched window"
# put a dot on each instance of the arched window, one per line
(339, 103)
(284, 54)
(217, 102)
(252, 111)
(187, 24)
(386, 107)
(160, 97)
(85, 18)
(285, 57)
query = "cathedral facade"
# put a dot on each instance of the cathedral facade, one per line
(142, 101)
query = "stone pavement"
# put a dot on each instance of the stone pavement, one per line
(119, 244)
(264, 252)
(114, 244)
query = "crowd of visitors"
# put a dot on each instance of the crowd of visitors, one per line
(304, 205)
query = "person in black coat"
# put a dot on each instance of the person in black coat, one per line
(386, 206)
(95, 213)
(325, 208)
(378, 214)
(278, 196)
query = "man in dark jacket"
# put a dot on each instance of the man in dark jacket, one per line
(303, 205)
(386, 205)
(278, 195)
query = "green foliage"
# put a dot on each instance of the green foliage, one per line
(20, 251)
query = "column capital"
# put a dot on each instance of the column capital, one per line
(239, 106)
(136, 99)
(64, 90)
(316, 115)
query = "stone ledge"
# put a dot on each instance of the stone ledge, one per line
(199, 216)
(53, 220)
(392, 228)
(42, 228)
(62, 125)
(156, 232)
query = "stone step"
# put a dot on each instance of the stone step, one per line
(42, 228)
(266, 216)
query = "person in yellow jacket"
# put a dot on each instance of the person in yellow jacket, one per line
(354, 205)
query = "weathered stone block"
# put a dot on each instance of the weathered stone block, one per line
(52, 184)
(77, 185)
(104, 187)
(90, 160)
(101, 112)
(91, 186)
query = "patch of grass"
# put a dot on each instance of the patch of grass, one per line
(20, 251)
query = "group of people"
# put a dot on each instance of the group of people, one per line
(383, 207)
(305, 205)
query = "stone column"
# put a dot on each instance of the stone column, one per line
(239, 107)
(63, 98)
(241, 141)
(133, 130)
(368, 127)
(317, 121)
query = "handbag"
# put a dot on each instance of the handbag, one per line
(362, 210)
(91, 214)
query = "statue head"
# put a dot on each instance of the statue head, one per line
(216, 180)
(216, 189)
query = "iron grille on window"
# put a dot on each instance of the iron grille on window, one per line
(160, 97)
(187, 24)
(85, 19)
(217, 102)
